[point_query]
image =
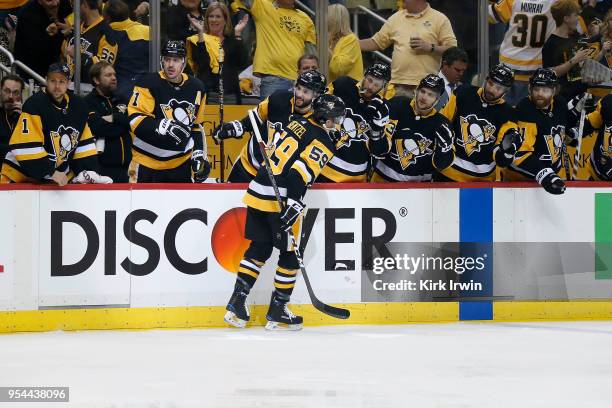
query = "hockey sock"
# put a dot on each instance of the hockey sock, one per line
(286, 274)
(248, 271)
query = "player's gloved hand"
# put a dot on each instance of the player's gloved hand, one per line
(571, 136)
(444, 138)
(228, 130)
(179, 132)
(378, 117)
(91, 177)
(290, 214)
(549, 180)
(199, 166)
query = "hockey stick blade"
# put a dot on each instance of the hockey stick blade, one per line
(333, 311)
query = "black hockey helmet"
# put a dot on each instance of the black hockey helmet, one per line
(379, 70)
(544, 77)
(174, 48)
(328, 107)
(313, 80)
(502, 74)
(433, 82)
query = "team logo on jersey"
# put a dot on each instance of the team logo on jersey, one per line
(353, 129)
(290, 24)
(475, 133)
(275, 134)
(84, 44)
(606, 146)
(409, 150)
(554, 143)
(64, 140)
(182, 111)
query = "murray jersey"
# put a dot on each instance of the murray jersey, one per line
(352, 159)
(412, 151)
(543, 131)
(600, 163)
(298, 152)
(530, 23)
(276, 110)
(98, 43)
(479, 128)
(154, 99)
(49, 137)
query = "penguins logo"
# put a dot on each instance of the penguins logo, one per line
(353, 129)
(182, 111)
(606, 146)
(554, 142)
(475, 133)
(410, 149)
(275, 134)
(64, 140)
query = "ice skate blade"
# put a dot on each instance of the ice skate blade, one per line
(277, 326)
(231, 319)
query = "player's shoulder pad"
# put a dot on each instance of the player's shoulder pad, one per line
(342, 83)
(279, 99)
(606, 106)
(35, 102)
(196, 82)
(149, 80)
(560, 103)
(397, 105)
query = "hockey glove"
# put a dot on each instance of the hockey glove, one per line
(290, 214)
(549, 180)
(91, 177)
(378, 117)
(229, 130)
(179, 132)
(510, 144)
(199, 166)
(444, 138)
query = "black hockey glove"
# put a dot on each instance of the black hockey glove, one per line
(199, 166)
(177, 131)
(378, 117)
(228, 130)
(290, 214)
(549, 180)
(510, 144)
(444, 138)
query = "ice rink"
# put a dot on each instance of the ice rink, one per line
(547, 364)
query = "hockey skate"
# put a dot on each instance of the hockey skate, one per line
(280, 317)
(237, 314)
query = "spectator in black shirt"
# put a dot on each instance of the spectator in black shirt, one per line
(178, 26)
(109, 123)
(561, 51)
(203, 52)
(11, 88)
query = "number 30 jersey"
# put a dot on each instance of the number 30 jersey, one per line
(298, 152)
(530, 23)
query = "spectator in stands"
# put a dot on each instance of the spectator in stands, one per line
(606, 37)
(178, 26)
(454, 63)
(561, 51)
(35, 46)
(283, 34)
(307, 62)
(98, 41)
(344, 52)
(419, 35)
(11, 88)
(133, 47)
(109, 123)
(204, 56)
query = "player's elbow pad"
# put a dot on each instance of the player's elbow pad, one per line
(295, 186)
(503, 159)
(442, 160)
(379, 148)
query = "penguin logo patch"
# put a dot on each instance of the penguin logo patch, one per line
(554, 143)
(64, 140)
(183, 111)
(353, 129)
(475, 133)
(410, 149)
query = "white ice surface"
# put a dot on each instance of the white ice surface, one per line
(548, 364)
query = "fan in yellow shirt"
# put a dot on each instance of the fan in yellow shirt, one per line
(345, 54)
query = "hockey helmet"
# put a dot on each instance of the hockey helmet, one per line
(433, 82)
(502, 74)
(313, 80)
(379, 70)
(328, 107)
(174, 48)
(544, 77)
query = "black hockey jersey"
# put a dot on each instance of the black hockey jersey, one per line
(98, 43)
(543, 131)
(600, 163)
(479, 128)
(301, 150)
(155, 99)
(412, 151)
(352, 158)
(50, 137)
(276, 110)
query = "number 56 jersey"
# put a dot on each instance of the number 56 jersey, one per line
(298, 152)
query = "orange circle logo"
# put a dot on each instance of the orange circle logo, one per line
(228, 241)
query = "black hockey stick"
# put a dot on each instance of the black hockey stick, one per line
(580, 136)
(221, 106)
(333, 311)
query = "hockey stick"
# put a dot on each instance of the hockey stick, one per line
(221, 106)
(580, 134)
(324, 308)
(565, 160)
